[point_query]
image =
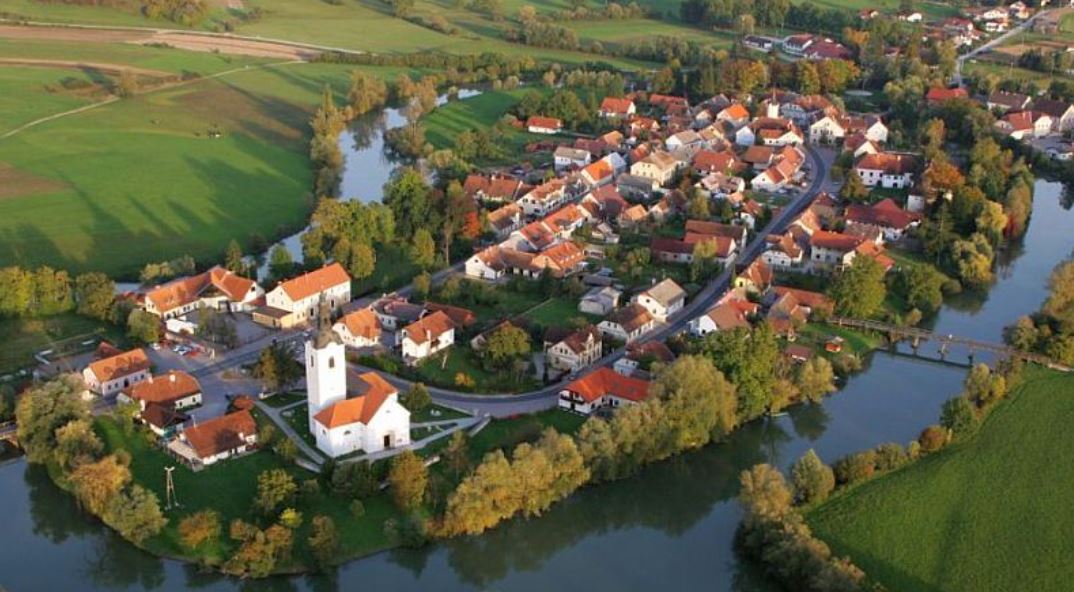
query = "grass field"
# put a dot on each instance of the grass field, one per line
(230, 488)
(22, 338)
(463, 360)
(140, 180)
(24, 98)
(445, 124)
(992, 513)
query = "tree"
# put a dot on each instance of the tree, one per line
(233, 258)
(932, 439)
(959, 416)
(135, 514)
(1060, 302)
(143, 327)
(127, 86)
(275, 487)
(808, 78)
(276, 367)
(423, 284)
(700, 404)
(751, 360)
(94, 294)
(407, 479)
(854, 190)
(324, 541)
(76, 444)
(95, 484)
(992, 221)
(973, 260)
(698, 206)
(408, 197)
(813, 480)
(290, 518)
(41, 411)
(859, 291)
(281, 264)
(457, 453)
(815, 379)
(353, 480)
(367, 92)
(921, 285)
(506, 344)
(423, 249)
(764, 492)
(417, 398)
(199, 528)
(855, 467)
(362, 261)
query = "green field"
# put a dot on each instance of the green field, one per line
(481, 112)
(991, 513)
(140, 179)
(17, 85)
(22, 338)
(619, 31)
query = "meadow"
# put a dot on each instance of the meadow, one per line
(989, 513)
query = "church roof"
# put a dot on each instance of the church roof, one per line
(360, 409)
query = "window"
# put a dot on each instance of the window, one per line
(331, 362)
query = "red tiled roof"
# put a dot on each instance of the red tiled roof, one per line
(459, 316)
(314, 282)
(616, 105)
(835, 241)
(166, 388)
(939, 94)
(221, 434)
(605, 381)
(889, 163)
(885, 213)
(186, 290)
(429, 327)
(120, 365)
(362, 323)
(544, 122)
(360, 409)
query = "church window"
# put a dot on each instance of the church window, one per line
(331, 362)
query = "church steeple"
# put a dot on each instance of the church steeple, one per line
(325, 334)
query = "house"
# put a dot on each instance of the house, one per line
(778, 175)
(602, 387)
(662, 299)
(175, 390)
(758, 157)
(771, 131)
(544, 198)
(833, 249)
(532, 237)
(108, 376)
(958, 26)
(755, 279)
(634, 186)
(868, 14)
(394, 313)
(573, 351)
(217, 439)
(660, 167)
(460, 317)
(603, 171)
(163, 420)
(739, 234)
(684, 140)
(1007, 101)
(673, 250)
(608, 201)
(889, 170)
(217, 288)
(360, 328)
(427, 336)
(827, 49)
(505, 220)
(797, 44)
(297, 300)
(826, 130)
(670, 104)
(871, 126)
(566, 158)
(727, 315)
(1025, 124)
(859, 145)
(758, 43)
(735, 114)
(886, 215)
(938, 95)
(628, 323)
(494, 188)
(600, 300)
(537, 124)
(613, 107)
(909, 16)
(1061, 112)
(720, 186)
(710, 161)
(782, 252)
(640, 357)
(559, 260)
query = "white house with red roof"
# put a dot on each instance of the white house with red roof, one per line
(297, 300)
(612, 107)
(427, 336)
(886, 215)
(115, 373)
(889, 170)
(600, 388)
(359, 328)
(1025, 124)
(349, 412)
(543, 125)
(216, 288)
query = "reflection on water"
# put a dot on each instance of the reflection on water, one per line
(671, 527)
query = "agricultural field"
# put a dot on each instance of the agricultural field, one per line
(149, 172)
(481, 112)
(936, 524)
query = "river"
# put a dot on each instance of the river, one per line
(670, 527)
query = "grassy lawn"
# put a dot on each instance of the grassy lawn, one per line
(436, 413)
(624, 31)
(991, 513)
(285, 399)
(22, 338)
(463, 360)
(859, 343)
(230, 488)
(481, 112)
(166, 59)
(83, 190)
(298, 418)
(505, 434)
(18, 84)
(557, 312)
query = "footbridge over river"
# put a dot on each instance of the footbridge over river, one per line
(916, 336)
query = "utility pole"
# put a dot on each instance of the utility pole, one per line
(169, 489)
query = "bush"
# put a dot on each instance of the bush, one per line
(890, 456)
(959, 416)
(813, 480)
(932, 438)
(856, 467)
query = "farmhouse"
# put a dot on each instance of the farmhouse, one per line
(602, 387)
(427, 336)
(543, 125)
(121, 371)
(662, 300)
(217, 288)
(627, 323)
(494, 188)
(660, 167)
(1007, 101)
(566, 158)
(1025, 124)
(640, 356)
(360, 328)
(1061, 112)
(175, 390)
(725, 316)
(296, 300)
(782, 252)
(505, 220)
(887, 169)
(886, 215)
(574, 351)
(217, 439)
(833, 249)
(544, 198)
(612, 107)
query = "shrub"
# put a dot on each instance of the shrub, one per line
(813, 480)
(959, 416)
(890, 456)
(932, 439)
(856, 467)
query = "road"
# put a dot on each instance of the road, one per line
(957, 77)
(505, 405)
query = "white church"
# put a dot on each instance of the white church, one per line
(349, 411)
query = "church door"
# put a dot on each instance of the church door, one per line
(388, 441)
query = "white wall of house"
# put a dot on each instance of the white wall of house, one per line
(389, 428)
(111, 387)
(419, 351)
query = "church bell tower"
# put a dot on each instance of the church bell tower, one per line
(326, 366)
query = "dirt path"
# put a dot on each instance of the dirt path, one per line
(103, 67)
(111, 100)
(192, 41)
